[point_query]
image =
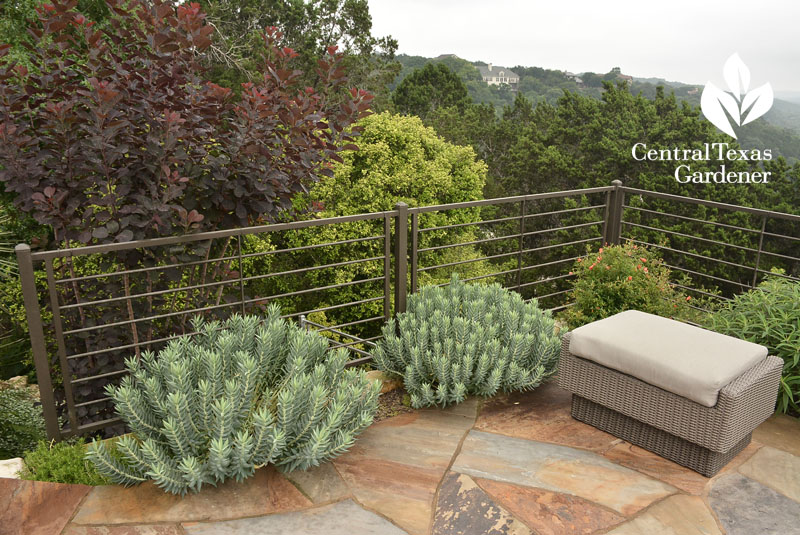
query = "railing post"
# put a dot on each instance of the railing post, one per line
(613, 223)
(34, 316)
(400, 257)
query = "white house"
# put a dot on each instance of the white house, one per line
(494, 75)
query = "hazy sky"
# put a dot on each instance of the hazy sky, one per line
(679, 40)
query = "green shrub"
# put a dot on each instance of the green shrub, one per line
(768, 315)
(622, 277)
(237, 396)
(21, 423)
(462, 340)
(61, 462)
(398, 159)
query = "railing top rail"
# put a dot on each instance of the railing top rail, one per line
(505, 200)
(211, 235)
(714, 204)
(276, 227)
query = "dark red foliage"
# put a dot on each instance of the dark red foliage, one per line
(114, 135)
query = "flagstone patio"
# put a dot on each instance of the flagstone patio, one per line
(513, 465)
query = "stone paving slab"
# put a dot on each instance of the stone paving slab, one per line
(396, 465)
(423, 438)
(550, 513)
(777, 469)
(342, 518)
(37, 507)
(781, 432)
(542, 415)
(141, 529)
(398, 491)
(677, 515)
(655, 466)
(464, 508)
(560, 469)
(320, 484)
(266, 492)
(746, 507)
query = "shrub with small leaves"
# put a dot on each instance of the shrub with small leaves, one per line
(623, 277)
(21, 423)
(237, 396)
(61, 462)
(462, 340)
(768, 315)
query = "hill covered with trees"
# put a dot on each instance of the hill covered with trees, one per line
(779, 129)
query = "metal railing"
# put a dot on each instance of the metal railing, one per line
(89, 308)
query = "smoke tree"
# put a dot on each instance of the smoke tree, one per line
(113, 134)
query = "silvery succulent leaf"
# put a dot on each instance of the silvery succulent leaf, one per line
(714, 102)
(760, 99)
(737, 75)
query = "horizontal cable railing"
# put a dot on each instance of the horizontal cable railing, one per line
(89, 308)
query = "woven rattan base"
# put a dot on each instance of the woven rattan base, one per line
(669, 446)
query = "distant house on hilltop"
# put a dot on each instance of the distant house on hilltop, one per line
(574, 77)
(493, 75)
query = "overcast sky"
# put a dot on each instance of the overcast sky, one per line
(681, 40)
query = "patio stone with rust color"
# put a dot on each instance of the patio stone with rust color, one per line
(398, 491)
(776, 469)
(543, 415)
(141, 529)
(653, 465)
(677, 515)
(550, 513)
(342, 518)
(396, 465)
(746, 507)
(464, 508)
(266, 492)
(560, 469)
(37, 507)
(319, 484)
(781, 432)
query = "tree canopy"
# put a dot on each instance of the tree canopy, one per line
(308, 27)
(432, 87)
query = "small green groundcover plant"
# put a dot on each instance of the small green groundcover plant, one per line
(61, 462)
(21, 423)
(238, 395)
(623, 277)
(768, 315)
(462, 340)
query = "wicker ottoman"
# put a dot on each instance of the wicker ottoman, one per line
(690, 395)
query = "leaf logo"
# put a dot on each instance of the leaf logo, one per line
(741, 105)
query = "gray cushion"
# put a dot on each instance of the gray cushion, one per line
(686, 360)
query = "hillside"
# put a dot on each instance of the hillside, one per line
(779, 129)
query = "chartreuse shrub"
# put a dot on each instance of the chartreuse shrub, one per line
(21, 423)
(238, 395)
(768, 315)
(462, 340)
(61, 462)
(616, 278)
